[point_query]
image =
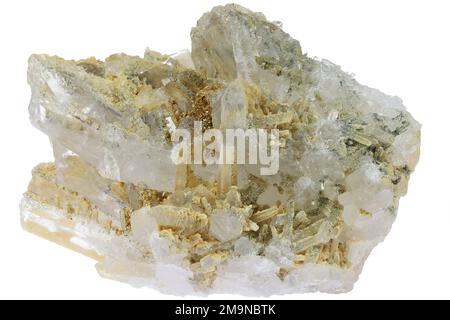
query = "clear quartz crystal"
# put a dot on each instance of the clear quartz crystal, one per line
(113, 192)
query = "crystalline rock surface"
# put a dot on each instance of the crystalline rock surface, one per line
(113, 193)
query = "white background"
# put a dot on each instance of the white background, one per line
(400, 47)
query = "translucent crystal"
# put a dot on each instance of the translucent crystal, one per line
(225, 225)
(346, 152)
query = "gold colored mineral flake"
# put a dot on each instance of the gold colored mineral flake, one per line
(115, 193)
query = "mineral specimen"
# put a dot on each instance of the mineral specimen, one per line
(114, 192)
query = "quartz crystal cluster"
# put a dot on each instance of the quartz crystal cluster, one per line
(114, 193)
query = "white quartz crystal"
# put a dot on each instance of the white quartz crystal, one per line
(346, 152)
(224, 225)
